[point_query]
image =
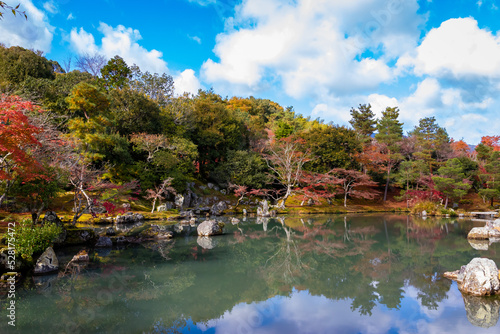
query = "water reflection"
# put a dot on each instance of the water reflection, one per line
(343, 274)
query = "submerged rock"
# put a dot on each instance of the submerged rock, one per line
(82, 256)
(210, 227)
(478, 278)
(104, 242)
(47, 263)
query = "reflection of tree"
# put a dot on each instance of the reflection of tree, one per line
(285, 264)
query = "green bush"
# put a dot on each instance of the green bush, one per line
(32, 239)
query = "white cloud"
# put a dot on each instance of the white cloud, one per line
(186, 82)
(312, 48)
(120, 41)
(50, 7)
(203, 2)
(195, 38)
(70, 17)
(34, 33)
(457, 49)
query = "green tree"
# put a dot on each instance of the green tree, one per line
(490, 178)
(363, 120)
(390, 133)
(451, 180)
(433, 142)
(216, 131)
(159, 88)
(133, 112)
(331, 146)
(17, 64)
(116, 73)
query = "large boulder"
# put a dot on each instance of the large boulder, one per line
(478, 278)
(81, 256)
(179, 201)
(51, 217)
(47, 263)
(164, 207)
(210, 227)
(218, 209)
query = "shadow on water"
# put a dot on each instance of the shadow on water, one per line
(329, 273)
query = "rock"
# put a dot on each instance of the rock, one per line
(234, 221)
(82, 256)
(218, 209)
(77, 236)
(179, 201)
(47, 263)
(156, 232)
(479, 278)
(210, 185)
(51, 217)
(129, 218)
(223, 191)
(478, 233)
(103, 220)
(186, 214)
(482, 312)
(118, 240)
(210, 227)
(207, 242)
(484, 233)
(110, 232)
(245, 212)
(424, 213)
(104, 242)
(165, 206)
(264, 210)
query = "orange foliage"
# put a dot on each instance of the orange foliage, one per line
(491, 141)
(460, 148)
(242, 104)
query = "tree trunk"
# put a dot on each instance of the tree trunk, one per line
(154, 204)
(345, 200)
(285, 197)
(491, 202)
(387, 182)
(446, 202)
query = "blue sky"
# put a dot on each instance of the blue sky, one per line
(429, 58)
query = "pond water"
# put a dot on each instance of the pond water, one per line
(327, 274)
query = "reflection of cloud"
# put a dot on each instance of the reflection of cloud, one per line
(303, 313)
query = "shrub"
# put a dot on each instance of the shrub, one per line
(430, 207)
(32, 239)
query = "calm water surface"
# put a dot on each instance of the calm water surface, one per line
(327, 274)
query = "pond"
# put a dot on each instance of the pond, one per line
(326, 274)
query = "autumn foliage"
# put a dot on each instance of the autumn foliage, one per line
(17, 139)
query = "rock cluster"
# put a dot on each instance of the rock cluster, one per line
(129, 218)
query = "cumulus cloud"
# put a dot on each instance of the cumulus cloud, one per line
(313, 48)
(34, 33)
(186, 81)
(457, 49)
(120, 41)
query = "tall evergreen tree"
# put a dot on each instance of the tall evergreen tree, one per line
(390, 133)
(363, 120)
